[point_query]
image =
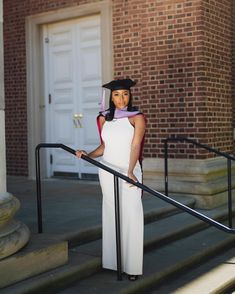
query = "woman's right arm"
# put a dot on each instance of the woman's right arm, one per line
(97, 152)
(93, 154)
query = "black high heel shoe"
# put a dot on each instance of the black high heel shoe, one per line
(132, 278)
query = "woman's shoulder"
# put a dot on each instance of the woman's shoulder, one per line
(138, 118)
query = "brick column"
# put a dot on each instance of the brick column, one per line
(13, 234)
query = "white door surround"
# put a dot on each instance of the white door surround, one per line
(35, 70)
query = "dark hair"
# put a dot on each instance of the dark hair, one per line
(110, 115)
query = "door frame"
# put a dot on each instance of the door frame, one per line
(35, 70)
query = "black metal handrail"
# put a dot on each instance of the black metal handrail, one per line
(116, 175)
(223, 154)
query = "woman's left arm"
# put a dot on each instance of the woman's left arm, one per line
(139, 125)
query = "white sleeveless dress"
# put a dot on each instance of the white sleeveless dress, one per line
(117, 136)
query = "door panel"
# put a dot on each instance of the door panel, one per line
(73, 65)
(90, 80)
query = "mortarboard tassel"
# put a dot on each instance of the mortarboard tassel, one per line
(102, 101)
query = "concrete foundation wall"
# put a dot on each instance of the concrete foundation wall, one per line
(205, 180)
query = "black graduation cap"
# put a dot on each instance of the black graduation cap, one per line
(124, 84)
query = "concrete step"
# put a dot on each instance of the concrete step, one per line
(159, 265)
(216, 276)
(80, 266)
(88, 259)
(161, 210)
(41, 254)
(163, 231)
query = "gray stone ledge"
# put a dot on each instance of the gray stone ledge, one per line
(204, 180)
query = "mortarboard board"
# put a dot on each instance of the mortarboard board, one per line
(124, 84)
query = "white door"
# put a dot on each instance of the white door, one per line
(73, 90)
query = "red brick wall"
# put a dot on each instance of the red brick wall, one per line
(217, 59)
(233, 63)
(15, 86)
(180, 52)
(15, 12)
(184, 69)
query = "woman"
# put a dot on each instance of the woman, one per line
(122, 129)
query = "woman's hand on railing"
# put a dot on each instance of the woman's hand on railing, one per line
(79, 153)
(132, 177)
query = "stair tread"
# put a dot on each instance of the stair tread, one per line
(160, 209)
(89, 254)
(158, 264)
(214, 276)
(158, 231)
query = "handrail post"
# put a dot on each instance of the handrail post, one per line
(166, 165)
(230, 211)
(38, 184)
(118, 230)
